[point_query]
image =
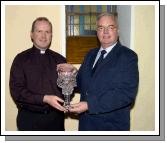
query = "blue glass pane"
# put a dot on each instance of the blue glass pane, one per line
(99, 8)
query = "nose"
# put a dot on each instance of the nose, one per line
(43, 34)
(106, 30)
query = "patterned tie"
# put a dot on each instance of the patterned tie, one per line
(99, 61)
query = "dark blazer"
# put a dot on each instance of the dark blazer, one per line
(110, 91)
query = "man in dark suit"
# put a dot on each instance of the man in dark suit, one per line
(33, 83)
(108, 82)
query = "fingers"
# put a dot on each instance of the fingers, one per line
(59, 99)
(57, 105)
(75, 105)
(79, 107)
(75, 108)
(61, 108)
(65, 67)
(54, 101)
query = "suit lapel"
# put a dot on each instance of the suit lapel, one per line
(109, 59)
(93, 57)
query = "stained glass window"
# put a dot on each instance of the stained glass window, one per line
(81, 19)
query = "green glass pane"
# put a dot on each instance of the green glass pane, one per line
(93, 19)
(86, 8)
(87, 19)
(76, 19)
(104, 8)
(93, 8)
(76, 8)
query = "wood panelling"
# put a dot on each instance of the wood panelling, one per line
(78, 46)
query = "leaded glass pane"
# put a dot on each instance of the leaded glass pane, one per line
(93, 27)
(93, 8)
(87, 19)
(86, 27)
(76, 19)
(93, 19)
(77, 8)
(87, 8)
(76, 30)
(81, 19)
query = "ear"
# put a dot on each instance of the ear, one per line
(118, 31)
(31, 35)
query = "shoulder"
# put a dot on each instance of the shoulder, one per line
(126, 52)
(92, 51)
(56, 55)
(24, 54)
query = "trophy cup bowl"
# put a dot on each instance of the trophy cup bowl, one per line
(67, 81)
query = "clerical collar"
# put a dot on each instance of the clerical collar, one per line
(42, 51)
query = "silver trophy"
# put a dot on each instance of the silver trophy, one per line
(67, 81)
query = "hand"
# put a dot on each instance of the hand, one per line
(54, 101)
(78, 107)
(65, 67)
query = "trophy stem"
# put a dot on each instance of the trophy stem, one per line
(66, 101)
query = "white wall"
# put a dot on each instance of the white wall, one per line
(124, 20)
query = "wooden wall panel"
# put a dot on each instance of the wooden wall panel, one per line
(78, 46)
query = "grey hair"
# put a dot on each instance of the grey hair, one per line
(114, 15)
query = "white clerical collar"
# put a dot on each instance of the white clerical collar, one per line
(42, 51)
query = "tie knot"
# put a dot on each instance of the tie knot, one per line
(103, 52)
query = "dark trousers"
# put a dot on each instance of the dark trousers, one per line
(36, 121)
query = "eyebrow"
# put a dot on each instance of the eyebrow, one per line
(105, 26)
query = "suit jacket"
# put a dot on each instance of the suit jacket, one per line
(110, 91)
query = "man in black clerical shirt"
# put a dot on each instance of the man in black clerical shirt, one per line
(33, 86)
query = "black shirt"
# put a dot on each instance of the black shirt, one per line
(34, 75)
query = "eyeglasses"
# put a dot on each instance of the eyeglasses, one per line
(108, 28)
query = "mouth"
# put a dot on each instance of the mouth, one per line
(106, 37)
(43, 40)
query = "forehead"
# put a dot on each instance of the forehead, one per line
(42, 24)
(106, 20)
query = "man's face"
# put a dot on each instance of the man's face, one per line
(107, 31)
(42, 34)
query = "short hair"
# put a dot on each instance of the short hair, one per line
(40, 19)
(114, 15)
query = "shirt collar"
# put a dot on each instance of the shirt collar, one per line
(108, 49)
(41, 51)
